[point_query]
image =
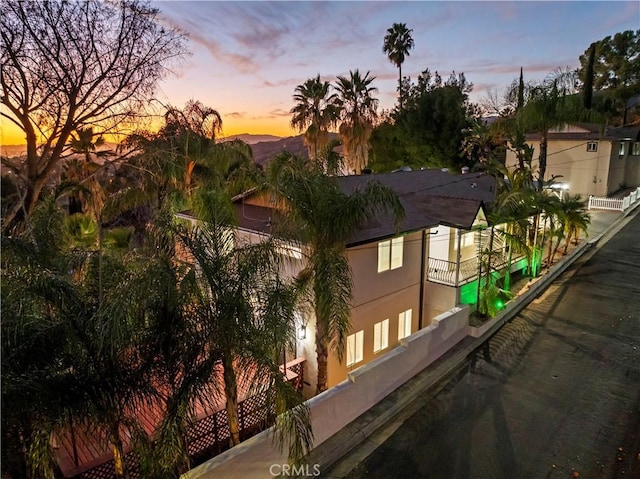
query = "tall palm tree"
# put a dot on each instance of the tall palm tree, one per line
(358, 115)
(397, 44)
(323, 218)
(547, 107)
(246, 313)
(315, 112)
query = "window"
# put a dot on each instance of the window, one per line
(592, 146)
(404, 324)
(355, 345)
(466, 240)
(636, 148)
(621, 150)
(390, 254)
(380, 335)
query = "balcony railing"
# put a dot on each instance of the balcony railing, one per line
(443, 271)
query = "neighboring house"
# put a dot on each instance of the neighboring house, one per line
(588, 159)
(403, 277)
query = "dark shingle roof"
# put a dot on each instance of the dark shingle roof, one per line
(429, 198)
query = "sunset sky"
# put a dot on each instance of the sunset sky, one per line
(248, 57)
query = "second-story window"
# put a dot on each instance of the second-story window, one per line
(355, 346)
(592, 146)
(404, 324)
(390, 253)
(636, 148)
(380, 335)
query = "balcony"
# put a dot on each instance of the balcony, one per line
(446, 272)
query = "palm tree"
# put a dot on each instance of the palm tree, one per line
(32, 335)
(574, 217)
(315, 112)
(358, 114)
(514, 204)
(82, 142)
(95, 376)
(547, 108)
(85, 173)
(323, 218)
(246, 317)
(397, 44)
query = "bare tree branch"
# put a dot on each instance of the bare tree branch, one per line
(70, 64)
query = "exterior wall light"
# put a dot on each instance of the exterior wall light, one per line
(302, 332)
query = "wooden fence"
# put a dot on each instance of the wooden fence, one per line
(210, 435)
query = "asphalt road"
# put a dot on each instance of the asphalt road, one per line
(554, 394)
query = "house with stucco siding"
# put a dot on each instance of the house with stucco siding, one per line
(403, 275)
(589, 159)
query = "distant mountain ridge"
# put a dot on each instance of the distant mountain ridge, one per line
(251, 139)
(264, 147)
(265, 150)
(17, 151)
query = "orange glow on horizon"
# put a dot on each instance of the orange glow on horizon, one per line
(276, 127)
(10, 134)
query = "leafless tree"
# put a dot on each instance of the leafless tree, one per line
(76, 64)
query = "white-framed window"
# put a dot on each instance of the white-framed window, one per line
(404, 324)
(467, 239)
(592, 146)
(380, 335)
(390, 254)
(355, 346)
(636, 148)
(621, 150)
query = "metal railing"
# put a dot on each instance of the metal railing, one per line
(443, 271)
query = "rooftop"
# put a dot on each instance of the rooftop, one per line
(429, 197)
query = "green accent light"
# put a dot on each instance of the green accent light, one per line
(499, 304)
(468, 293)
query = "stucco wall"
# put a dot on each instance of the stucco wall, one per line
(587, 173)
(380, 296)
(438, 299)
(338, 406)
(632, 171)
(617, 168)
(369, 284)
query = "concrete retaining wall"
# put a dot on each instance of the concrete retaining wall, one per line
(334, 409)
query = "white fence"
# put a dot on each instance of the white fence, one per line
(614, 204)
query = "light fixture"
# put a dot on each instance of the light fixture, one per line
(302, 332)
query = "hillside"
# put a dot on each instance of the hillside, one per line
(264, 147)
(251, 139)
(265, 150)
(13, 151)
